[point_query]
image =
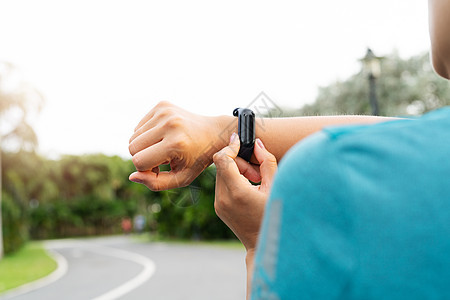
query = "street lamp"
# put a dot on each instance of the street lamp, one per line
(371, 66)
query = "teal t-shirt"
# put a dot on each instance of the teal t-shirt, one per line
(360, 212)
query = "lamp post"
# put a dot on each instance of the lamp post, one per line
(371, 66)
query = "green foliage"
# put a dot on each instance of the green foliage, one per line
(84, 216)
(189, 212)
(93, 195)
(405, 87)
(17, 100)
(90, 194)
(15, 230)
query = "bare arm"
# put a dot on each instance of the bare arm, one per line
(169, 134)
(280, 134)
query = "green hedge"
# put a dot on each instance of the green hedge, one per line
(83, 216)
(90, 194)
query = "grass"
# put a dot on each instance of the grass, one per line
(28, 264)
(229, 244)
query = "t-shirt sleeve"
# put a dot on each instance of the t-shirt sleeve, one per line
(305, 249)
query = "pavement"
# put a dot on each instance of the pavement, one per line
(121, 268)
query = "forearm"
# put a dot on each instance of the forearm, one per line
(280, 134)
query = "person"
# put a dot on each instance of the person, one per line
(356, 211)
(126, 225)
(139, 223)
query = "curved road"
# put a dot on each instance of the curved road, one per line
(119, 268)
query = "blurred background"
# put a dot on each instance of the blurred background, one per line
(77, 76)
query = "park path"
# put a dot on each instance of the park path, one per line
(121, 268)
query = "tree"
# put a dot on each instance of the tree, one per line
(17, 100)
(405, 87)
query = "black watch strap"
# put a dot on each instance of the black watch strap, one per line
(246, 131)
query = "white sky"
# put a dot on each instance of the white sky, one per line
(102, 65)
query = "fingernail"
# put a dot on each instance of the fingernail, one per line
(137, 180)
(233, 137)
(260, 144)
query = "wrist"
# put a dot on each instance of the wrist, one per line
(249, 264)
(250, 256)
(224, 127)
(218, 132)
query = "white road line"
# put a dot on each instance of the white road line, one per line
(128, 286)
(40, 283)
(143, 276)
(148, 265)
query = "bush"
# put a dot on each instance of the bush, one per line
(90, 194)
(189, 212)
(14, 224)
(83, 216)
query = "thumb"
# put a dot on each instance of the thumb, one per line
(225, 159)
(268, 164)
(162, 180)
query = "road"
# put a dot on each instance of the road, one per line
(120, 268)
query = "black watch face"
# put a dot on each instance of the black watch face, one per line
(246, 131)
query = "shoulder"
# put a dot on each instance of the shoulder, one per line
(302, 222)
(439, 36)
(335, 151)
(334, 194)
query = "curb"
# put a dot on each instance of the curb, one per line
(60, 271)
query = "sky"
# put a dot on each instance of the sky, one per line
(102, 64)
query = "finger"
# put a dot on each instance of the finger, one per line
(151, 113)
(162, 180)
(268, 164)
(229, 152)
(224, 160)
(150, 124)
(145, 119)
(146, 139)
(249, 171)
(151, 157)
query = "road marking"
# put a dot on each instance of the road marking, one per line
(128, 286)
(143, 276)
(60, 271)
(148, 265)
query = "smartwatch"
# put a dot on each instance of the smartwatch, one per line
(246, 131)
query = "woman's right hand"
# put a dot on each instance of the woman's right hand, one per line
(171, 135)
(238, 203)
